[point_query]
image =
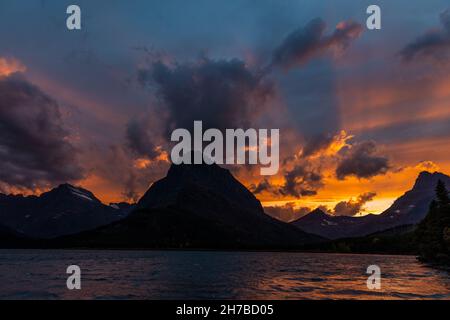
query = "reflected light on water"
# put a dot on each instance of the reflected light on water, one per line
(33, 274)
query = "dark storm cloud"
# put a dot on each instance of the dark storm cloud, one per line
(309, 41)
(317, 143)
(361, 161)
(34, 146)
(434, 45)
(301, 181)
(140, 140)
(353, 207)
(222, 93)
(263, 186)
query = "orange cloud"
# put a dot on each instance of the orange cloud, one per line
(9, 66)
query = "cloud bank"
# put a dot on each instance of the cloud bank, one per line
(221, 93)
(35, 147)
(353, 207)
(361, 160)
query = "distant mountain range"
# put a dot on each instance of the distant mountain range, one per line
(409, 209)
(196, 206)
(63, 210)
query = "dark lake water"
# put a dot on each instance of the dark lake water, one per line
(36, 274)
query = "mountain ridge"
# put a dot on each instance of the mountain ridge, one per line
(409, 209)
(197, 206)
(62, 210)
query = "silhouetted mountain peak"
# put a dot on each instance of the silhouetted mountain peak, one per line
(63, 210)
(199, 206)
(409, 209)
(428, 180)
(202, 173)
(68, 190)
(315, 215)
(318, 213)
(193, 186)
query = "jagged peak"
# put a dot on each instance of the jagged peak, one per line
(426, 179)
(67, 188)
(319, 212)
(182, 178)
(314, 214)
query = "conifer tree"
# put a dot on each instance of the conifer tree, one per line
(442, 193)
(433, 233)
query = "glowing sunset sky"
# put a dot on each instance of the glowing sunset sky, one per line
(360, 112)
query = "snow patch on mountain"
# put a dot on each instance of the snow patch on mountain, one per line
(79, 193)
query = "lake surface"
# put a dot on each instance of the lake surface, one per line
(41, 274)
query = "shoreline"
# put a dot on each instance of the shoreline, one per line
(207, 250)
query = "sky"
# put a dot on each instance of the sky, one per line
(361, 112)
